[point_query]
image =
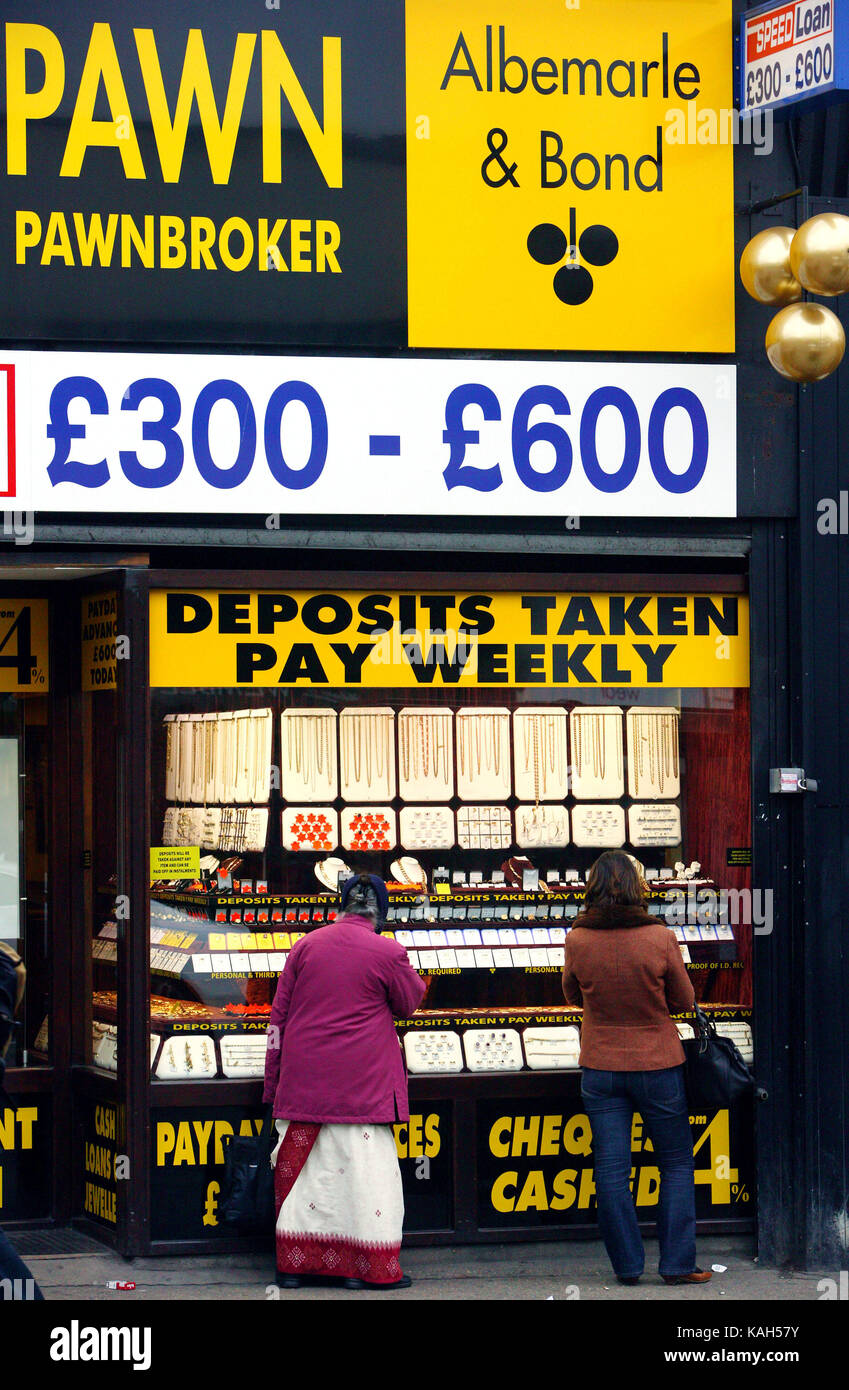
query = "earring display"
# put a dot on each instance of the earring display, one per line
(493, 1049)
(654, 824)
(310, 828)
(427, 827)
(310, 769)
(600, 827)
(484, 827)
(542, 827)
(369, 827)
(653, 752)
(540, 757)
(597, 762)
(367, 754)
(483, 753)
(425, 754)
(433, 1052)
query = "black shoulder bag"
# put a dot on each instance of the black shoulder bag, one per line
(714, 1071)
(247, 1199)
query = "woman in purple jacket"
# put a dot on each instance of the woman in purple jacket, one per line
(335, 1077)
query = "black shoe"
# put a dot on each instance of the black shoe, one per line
(628, 1278)
(403, 1283)
(288, 1281)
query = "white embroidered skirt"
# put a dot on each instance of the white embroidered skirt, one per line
(339, 1201)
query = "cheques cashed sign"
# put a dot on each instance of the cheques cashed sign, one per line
(294, 172)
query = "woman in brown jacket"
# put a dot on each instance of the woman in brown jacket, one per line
(627, 971)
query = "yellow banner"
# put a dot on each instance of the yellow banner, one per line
(569, 175)
(24, 663)
(209, 638)
(99, 635)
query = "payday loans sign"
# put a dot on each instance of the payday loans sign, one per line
(210, 638)
(423, 174)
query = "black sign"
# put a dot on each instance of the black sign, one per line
(26, 1168)
(230, 173)
(535, 1165)
(740, 858)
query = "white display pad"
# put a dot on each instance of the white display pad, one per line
(492, 1049)
(427, 827)
(598, 826)
(367, 753)
(540, 753)
(355, 401)
(187, 1055)
(484, 827)
(243, 1054)
(438, 1051)
(653, 752)
(542, 827)
(483, 754)
(425, 754)
(654, 823)
(597, 762)
(552, 1047)
(309, 766)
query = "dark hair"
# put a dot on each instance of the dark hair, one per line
(614, 881)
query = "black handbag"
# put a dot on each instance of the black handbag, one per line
(714, 1071)
(247, 1200)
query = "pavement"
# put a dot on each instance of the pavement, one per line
(545, 1270)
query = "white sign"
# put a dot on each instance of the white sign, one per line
(787, 53)
(144, 433)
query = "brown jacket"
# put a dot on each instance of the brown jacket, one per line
(627, 971)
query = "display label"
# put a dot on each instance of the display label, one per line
(273, 437)
(791, 52)
(24, 652)
(168, 863)
(553, 188)
(99, 641)
(210, 638)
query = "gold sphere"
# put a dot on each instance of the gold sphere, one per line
(765, 267)
(805, 342)
(819, 254)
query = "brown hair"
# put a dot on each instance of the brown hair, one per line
(615, 881)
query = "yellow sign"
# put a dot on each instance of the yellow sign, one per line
(99, 638)
(170, 862)
(569, 175)
(210, 638)
(24, 666)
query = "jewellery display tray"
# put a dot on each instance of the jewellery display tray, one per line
(485, 949)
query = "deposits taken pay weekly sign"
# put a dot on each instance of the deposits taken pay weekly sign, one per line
(382, 175)
(794, 53)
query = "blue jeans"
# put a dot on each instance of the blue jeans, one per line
(610, 1099)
